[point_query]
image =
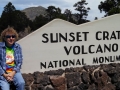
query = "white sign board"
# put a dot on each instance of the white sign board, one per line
(60, 44)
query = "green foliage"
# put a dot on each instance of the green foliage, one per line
(68, 14)
(39, 22)
(83, 11)
(110, 7)
(9, 8)
(17, 19)
(6, 17)
(14, 18)
(20, 20)
(53, 12)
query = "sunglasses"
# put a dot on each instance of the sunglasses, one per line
(9, 36)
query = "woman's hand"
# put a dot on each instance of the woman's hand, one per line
(11, 74)
(7, 77)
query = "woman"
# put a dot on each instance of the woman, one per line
(10, 60)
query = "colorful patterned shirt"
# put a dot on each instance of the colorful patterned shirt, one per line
(10, 63)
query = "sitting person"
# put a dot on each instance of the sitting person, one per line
(10, 61)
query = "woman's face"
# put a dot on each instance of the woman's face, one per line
(10, 39)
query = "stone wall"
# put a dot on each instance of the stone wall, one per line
(98, 77)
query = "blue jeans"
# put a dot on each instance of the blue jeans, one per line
(17, 80)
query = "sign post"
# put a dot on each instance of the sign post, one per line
(60, 44)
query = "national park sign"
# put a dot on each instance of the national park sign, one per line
(61, 44)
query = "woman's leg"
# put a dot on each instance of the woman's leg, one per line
(4, 85)
(19, 81)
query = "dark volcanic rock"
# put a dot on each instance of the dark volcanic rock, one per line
(101, 77)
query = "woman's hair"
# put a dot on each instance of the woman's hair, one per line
(8, 30)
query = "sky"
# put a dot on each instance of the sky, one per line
(62, 4)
